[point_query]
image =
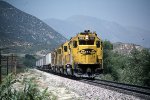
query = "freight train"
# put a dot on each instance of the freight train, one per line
(81, 56)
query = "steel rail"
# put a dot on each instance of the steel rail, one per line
(140, 91)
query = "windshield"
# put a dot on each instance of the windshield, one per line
(84, 42)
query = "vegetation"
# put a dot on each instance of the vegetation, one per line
(29, 60)
(29, 91)
(133, 68)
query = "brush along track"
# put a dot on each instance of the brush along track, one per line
(138, 91)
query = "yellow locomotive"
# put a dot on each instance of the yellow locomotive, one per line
(82, 56)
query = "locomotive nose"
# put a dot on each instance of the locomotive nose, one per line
(87, 51)
(87, 55)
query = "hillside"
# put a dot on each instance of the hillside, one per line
(125, 48)
(66, 28)
(106, 29)
(24, 33)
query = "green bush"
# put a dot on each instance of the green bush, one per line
(30, 90)
(133, 68)
(29, 60)
(6, 91)
(107, 77)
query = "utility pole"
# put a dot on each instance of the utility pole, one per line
(0, 67)
(12, 63)
(1, 63)
(15, 65)
(7, 65)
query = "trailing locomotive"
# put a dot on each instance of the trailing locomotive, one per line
(81, 56)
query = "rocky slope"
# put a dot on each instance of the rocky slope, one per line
(24, 33)
(125, 48)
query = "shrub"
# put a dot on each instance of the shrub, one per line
(30, 90)
(132, 69)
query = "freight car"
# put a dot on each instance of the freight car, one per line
(81, 56)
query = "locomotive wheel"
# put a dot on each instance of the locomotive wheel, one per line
(53, 68)
(61, 70)
(57, 70)
(70, 71)
(65, 71)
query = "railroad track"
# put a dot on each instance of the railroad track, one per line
(139, 91)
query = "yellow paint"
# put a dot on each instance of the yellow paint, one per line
(77, 55)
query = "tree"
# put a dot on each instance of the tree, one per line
(29, 60)
(145, 63)
(107, 45)
(133, 68)
(109, 62)
(137, 70)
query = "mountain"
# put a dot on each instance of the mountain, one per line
(24, 33)
(142, 34)
(106, 29)
(66, 28)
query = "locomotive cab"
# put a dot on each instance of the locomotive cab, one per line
(87, 54)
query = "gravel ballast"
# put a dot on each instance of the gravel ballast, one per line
(67, 89)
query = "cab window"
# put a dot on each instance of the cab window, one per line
(86, 42)
(74, 44)
(101, 45)
(59, 51)
(97, 44)
(65, 48)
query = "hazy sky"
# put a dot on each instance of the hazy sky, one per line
(125, 12)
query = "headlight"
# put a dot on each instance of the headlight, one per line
(86, 37)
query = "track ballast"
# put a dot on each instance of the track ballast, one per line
(138, 91)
